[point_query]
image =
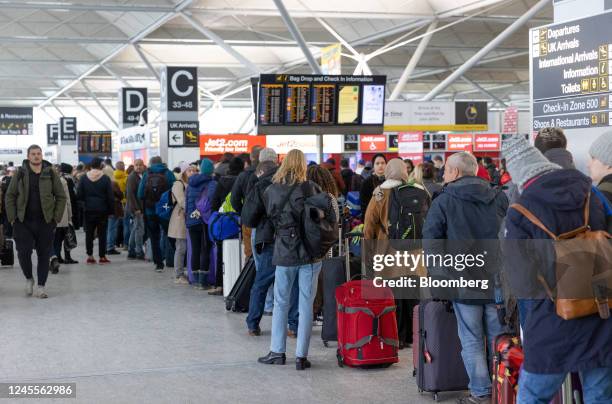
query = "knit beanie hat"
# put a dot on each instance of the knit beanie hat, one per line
(66, 168)
(523, 160)
(183, 165)
(396, 170)
(267, 154)
(601, 149)
(206, 167)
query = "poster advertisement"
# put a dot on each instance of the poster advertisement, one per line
(348, 105)
(372, 143)
(331, 59)
(459, 142)
(410, 146)
(373, 105)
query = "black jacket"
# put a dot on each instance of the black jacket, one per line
(285, 204)
(97, 194)
(224, 187)
(367, 189)
(254, 211)
(241, 188)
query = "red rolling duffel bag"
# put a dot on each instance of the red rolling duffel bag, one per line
(507, 362)
(367, 326)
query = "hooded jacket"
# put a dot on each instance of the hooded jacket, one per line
(551, 344)
(223, 188)
(52, 197)
(285, 204)
(561, 157)
(156, 168)
(196, 185)
(121, 180)
(254, 211)
(244, 183)
(96, 191)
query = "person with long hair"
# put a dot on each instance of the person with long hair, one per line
(284, 201)
(379, 162)
(177, 229)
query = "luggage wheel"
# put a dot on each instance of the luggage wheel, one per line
(340, 361)
(326, 344)
(420, 391)
(436, 397)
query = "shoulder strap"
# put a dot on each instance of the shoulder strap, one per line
(533, 219)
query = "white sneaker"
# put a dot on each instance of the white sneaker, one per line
(41, 293)
(29, 289)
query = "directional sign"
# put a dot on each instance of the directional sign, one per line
(175, 138)
(16, 121)
(183, 134)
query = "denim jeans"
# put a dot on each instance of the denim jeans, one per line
(475, 323)
(307, 277)
(264, 278)
(136, 236)
(167, 249)
(127, 226)
(269, 305)
(540, 388)
(111, 232)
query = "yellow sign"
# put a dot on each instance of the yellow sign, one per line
(331, 59)
(434, 128)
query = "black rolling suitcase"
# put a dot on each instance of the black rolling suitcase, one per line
(239, 296)
(7, 255)
(440, 366)
(334, 273)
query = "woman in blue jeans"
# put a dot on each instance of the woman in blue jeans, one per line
(284, 201)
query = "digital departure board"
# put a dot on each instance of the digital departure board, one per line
(571, 73)
(323, 104)
(271, 104)
(297, 99)
(318, 104)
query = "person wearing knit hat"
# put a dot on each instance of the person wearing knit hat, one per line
(378, 224)
(524, 161)
(268, 154)
(600, 164)
(553, 346)
(177, 229)
(469, 208)
(206, 167)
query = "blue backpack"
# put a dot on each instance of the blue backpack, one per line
(165, 205)
(223, 226)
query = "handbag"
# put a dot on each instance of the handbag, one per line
(70, 239)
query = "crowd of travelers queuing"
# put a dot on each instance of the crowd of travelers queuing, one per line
(461, 197)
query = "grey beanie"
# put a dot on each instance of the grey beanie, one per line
(601, 149)
(524, 161)
(268, 154)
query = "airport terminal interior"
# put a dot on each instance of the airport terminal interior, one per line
(261, 201)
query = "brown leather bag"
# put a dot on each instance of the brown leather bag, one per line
(583, 267)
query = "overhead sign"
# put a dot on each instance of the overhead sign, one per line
(351, 143)
(68, 131)
(183, 134)
(179, 89)
(96, 142)
(317, 104)
(331, 59)
(571, 73)
(52, 133)
(372, 143)
(236, 144)
(459, 142)
(487, 142)
(134, 138)
(510, 126)
(401, 116)
(306, 143)
(7, 155)
(132, 101)
(410, 146)
(16, 121)
(392, 142)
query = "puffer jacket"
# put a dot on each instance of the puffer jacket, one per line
(197, 184)
(285, 204)
(254, 211)
(121, 180)
(96, 191)
(52, 196)
(551, 344)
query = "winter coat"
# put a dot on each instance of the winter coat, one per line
(96, 191)
(157, 168)
(121, 179)
(376, 224)
(367, 189)
(483, 173)
(131, 190)
(67, 216)
(254, 211)
(605, 186)
(551, 344)
(52, 197)
(561, 157)
(432, 187)
(177, 228)
(493, 173)
(196, 185)
(118, 197)
(285, 204)
(223, 188)
(245, 181)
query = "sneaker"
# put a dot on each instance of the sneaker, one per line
(159, 268)
(113, 252)
(218, 291)
(60, 260)
(91, 260)
(70, 261)
(199, 286)
(54, 265)
(29, 289)
(181, 280)
(104, 260)
(291, 334)
(41, 293)
(255, 333)
(474, 400)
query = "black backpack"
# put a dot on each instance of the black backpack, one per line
(408, 206)
(319, 222)
(156, 185)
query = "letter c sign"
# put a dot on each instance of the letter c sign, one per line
(181, 88)
(173, 83)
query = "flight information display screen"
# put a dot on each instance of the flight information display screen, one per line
(318, 104)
